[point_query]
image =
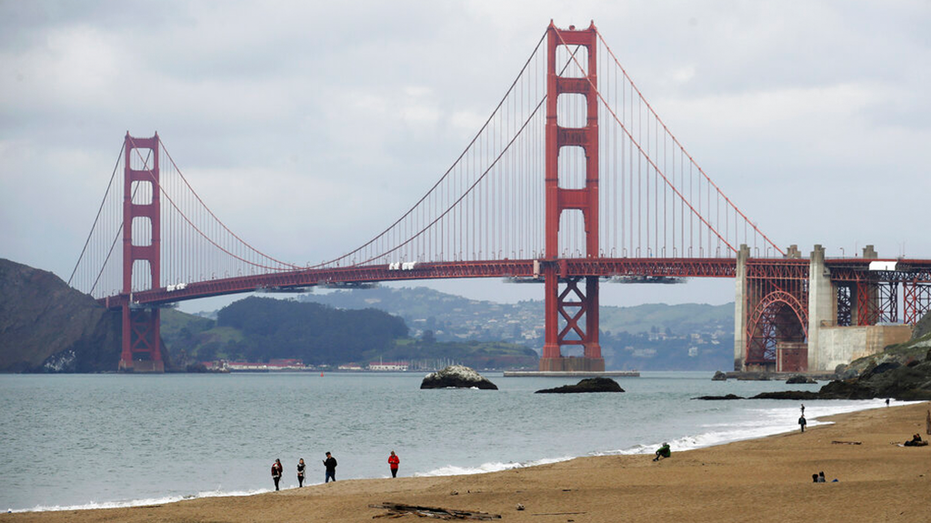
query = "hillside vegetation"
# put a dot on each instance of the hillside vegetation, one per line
(645, 337)
(260, 329)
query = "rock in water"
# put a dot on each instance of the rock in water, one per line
(719, 376)
(586, 385)
(456, 376)
(726, 397)
(798, 378)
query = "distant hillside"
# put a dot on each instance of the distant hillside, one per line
(46, 326)
(645, 337)
(260, 329)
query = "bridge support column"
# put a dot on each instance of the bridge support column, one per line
(822, 307)
(141, 351)
(740, 309)
(141, 336)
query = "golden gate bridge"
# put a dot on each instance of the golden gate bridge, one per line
(572, 179)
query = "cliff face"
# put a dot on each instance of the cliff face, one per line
(46, 326)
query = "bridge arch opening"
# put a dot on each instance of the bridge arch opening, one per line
(572, 110)
(141, 191)
(572, 171)
(142, 275)
(572, 234)
(777, 335)
(568, 59)
(142, 231)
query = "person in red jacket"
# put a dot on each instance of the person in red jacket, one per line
(277, 469)
(393, 462)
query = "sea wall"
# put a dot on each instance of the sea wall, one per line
(841, 345)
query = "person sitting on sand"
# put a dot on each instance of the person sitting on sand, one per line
(814, 478)
(914, 442)
(663, 452)
(821, 477)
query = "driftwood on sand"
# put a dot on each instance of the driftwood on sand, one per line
(400, 509)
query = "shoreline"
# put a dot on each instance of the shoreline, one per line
(762, 479)
(684, 443)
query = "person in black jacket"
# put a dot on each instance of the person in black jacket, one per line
(300, 473)
(276, 472)
(330, 464)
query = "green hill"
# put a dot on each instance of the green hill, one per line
(260, 329)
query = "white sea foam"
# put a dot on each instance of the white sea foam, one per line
(453, 470)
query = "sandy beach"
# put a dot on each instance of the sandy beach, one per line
(768, 479)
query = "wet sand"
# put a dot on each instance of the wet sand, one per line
(767, 479)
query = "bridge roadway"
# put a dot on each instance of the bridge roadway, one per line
(525, 269)
(847, 269)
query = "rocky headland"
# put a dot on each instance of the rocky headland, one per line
(46, 326)
(901, 372)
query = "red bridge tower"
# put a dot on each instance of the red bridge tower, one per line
(141, 351)
(576, 304)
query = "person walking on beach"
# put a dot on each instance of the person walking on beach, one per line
(802, 422)
(300, 473)
(330, 464)
(393, 461)
(277, 469)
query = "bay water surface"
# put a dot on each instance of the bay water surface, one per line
(87, 441)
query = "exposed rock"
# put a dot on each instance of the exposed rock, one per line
(923, 327)
(893, 380)
(798, 378)
(791, 395)
(586, 385)
(888, 380)
(727, 397)
(456, 376)
(719, 376)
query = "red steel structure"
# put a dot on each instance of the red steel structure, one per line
(577, 305)
(619, 198)
(141, 337)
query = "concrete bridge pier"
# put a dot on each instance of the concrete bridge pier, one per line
(822, 306)
(740, 308)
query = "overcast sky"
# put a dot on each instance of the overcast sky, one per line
(306, 126)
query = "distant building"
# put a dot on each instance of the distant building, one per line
(396, 366)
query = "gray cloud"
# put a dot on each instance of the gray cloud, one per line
(308, 125)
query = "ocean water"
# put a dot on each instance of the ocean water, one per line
(86, 441)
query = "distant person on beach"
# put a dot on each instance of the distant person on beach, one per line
(277, 469)
(928, 424)
(814, 478)
(803, 409)
(300, 473)
(330, 464)
(887, 402)
(802, 422)
(821, 477)
(914, 442)
(393, 461)
(663, 452)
